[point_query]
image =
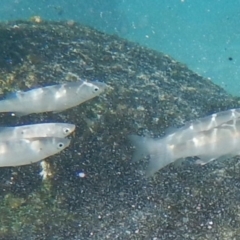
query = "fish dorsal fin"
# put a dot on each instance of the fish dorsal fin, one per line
(213, 120)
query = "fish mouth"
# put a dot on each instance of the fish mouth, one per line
(103, 86)
(65, 141)
(72, 128)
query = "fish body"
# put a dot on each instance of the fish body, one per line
(203, 124)
(208, 145)
(59, 130)
(206, 141)
(20, 152)
(53, 98)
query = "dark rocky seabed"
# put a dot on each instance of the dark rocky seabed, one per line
(151, 92)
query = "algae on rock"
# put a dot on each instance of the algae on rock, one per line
(151, 92)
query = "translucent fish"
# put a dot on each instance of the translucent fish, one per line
(55, 98)
(20, 152)
(60, 130)
(213, 143)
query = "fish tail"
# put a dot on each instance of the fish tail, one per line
(158, 150)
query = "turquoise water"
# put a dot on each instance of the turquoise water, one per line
(204, 35)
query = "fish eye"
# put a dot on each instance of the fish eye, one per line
(60, 145)
(66, 130)
(96, 89)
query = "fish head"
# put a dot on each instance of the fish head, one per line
(60, 143)
(68, 128)
(96, 88)
(53, 145)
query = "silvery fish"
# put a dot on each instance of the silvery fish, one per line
(210, 140)
(203, 124)
(53, 98)
(60, 130)
(20, 152)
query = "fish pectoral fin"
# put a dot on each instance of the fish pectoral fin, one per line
(204, 160)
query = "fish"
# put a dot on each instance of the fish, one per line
(209, 138)
(54, 98)
(59, 130)
(19, 152)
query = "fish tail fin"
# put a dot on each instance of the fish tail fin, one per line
(141, 145)
(158, 150)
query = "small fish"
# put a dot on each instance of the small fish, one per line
(55, 98)
(59, 130)
(208, 142)
(20, 152)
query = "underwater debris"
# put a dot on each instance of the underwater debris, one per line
(36, 19)
(46, 170)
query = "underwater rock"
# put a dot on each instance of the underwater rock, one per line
(150, 92)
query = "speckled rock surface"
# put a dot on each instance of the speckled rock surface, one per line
(151, 92)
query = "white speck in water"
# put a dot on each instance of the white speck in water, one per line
(81, 175)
